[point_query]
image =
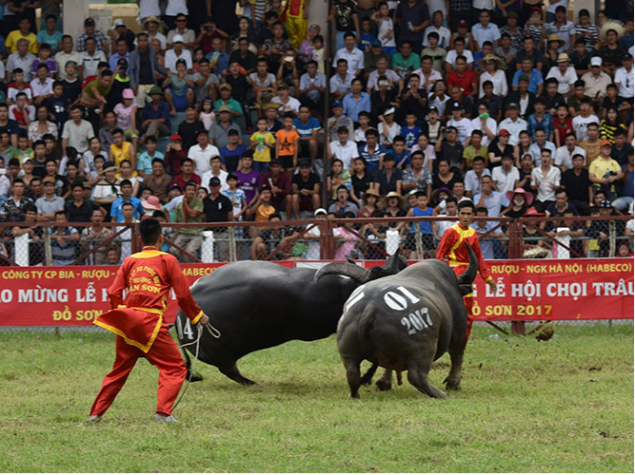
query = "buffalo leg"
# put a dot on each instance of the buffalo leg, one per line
(418, 377)
(353, 375)
(385, 382)
(368, 376)
(453, 381)
(232, 372)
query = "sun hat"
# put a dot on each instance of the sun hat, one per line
(152, 203)
(529, 198)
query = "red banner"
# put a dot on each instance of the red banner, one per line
(567, 289)
(590, 289)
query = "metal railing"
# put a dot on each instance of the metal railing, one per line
(323, 239)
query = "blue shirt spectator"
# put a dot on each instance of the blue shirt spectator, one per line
(144, 161)
(372, 158)
(495, 202)
(535, 79)
(352, 106)
(306, 130)
(546, 124)
(410, 135)
(115, 209)
(162, 112)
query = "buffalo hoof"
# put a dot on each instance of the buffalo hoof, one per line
(383, 385)
(453, 383)
(247, 382)
(194, 377)
(353, 396)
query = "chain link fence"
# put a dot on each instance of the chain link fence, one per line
(38, 244)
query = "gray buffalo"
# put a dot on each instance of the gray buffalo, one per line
(257, 305)
(404, 322)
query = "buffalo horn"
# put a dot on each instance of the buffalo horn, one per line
(467, 277)
(392, 264)
(353, 271)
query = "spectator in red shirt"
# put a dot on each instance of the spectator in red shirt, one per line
(463, 77)
(187, 174)
(175, 155)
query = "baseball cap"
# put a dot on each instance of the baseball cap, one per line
(214, 181)
(456, 106)
(319, 211)
(503, 132)
(89, 22)
(177, 39)
(462, 24)
(596, 61)
(390, 111)
(176, 138)
(375, 43)
(224, 108)
(118, 22)
(605, 204)
(337, 104)
(523, 77)
(181, 61)
(433, 108)
(513, 105)
(606, 143)
(627, 57)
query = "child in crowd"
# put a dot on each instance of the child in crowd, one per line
(287, 144)
(261, 142)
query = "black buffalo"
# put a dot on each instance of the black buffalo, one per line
(404, 322)
(257, 305)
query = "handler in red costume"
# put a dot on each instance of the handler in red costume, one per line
(138, 322)
(452, 250)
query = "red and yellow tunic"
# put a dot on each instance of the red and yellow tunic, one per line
(452, 249)
(148, 277)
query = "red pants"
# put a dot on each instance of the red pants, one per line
(164, 354)
(469, 302)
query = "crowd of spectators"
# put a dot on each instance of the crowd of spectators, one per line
(525, 108)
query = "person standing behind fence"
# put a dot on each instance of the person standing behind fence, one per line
(218, 209)
(452, 249)
(64, 241)
(190, 210)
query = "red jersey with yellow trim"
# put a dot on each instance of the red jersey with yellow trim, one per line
(452, 248)
(148, 277)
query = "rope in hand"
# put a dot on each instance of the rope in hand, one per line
(199, 328)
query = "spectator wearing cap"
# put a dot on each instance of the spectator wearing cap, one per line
(372, 56)
(142, 68)
(565, 74)
(624, 79)
(604, 172)
(217, 208)
(120, 31)
(513, 123)
(91, 32)
(338, 119)
(353, 55)
(174, 155)
(226, 99)
(596, 81)
(176, 53)
(181, 29)
(158, 182)
(155, 118)
(562, 27)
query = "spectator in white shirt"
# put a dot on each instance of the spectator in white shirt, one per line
(624, 78)
(505, 176)
(344, 149)
(485, 31)
(396, 82)
(514, 124)
(437, 26)
(90, 59)
(352, 54)
(485, 124)
(565, 75)
(42, 85)
(492, 67)
(340, 82)
(201, 153)
(563, 28)
(176, 53)
(565, 154)
(546, 180)
(583, 119)
(459, 50)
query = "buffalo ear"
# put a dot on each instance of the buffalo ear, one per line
(394, 264)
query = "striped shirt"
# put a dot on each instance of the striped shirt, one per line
(589, 41)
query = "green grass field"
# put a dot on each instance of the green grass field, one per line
(565, 405)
